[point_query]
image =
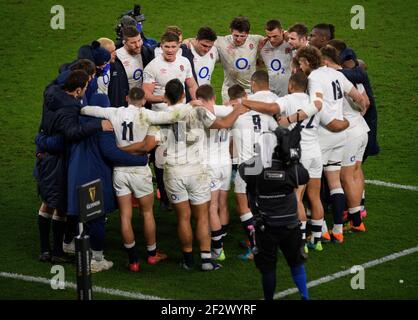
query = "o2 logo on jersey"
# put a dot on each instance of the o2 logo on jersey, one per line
(106, 79)
(242, 64)
(137, 74)
(203, 73)
(276, 65)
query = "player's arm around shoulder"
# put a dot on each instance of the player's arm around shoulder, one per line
(228, 121)
(98, 112)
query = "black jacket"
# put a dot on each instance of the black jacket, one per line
(60, 116)
(118, 88)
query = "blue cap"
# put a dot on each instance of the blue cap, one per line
(348, 54)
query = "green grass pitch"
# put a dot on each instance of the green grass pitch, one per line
(31, 53)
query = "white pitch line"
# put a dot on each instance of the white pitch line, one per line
(341, 274)
(391, 185)
(113, 292)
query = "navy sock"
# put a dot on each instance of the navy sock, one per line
(96, 231)
(188, 258)
(224, 230)
(338, 205)
(70, 228)
(355, 218)
(269, 284)
(132, 254)
(217, 239)
(58, 229)
(44, 225)
(299, 278)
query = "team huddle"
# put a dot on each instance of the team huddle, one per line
(129, 107)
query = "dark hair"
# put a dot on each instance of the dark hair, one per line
(136, 94)
(299, 80)
(240, 24)
(337, 44)
(273, 24)
(206, 33)
(260, 76)
(312, 54)
(174, 90)
(170, 37)
(205, 92)
(326, 29)
(129, 32)
(236, 92)
(84, 64)
(76, 79)
(300, 29)
(331, 53)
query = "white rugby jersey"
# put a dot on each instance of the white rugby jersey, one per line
(204, 65)
(239, 63)
(159, 72)
(278, 63)
(250, 126)
(309, 144)
(103, 81)
(185, 141)
(358, 125)
(217, 143)
(131, 124)
(332, 85)
(134, 67)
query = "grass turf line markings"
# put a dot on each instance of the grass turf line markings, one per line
(391, 185)
(110, 291)
(140, 296)
(344, 273)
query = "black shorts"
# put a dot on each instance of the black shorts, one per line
(287, 238)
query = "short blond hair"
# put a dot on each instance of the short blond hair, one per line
(106, 42)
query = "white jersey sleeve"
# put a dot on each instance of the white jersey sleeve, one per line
(170, 116)
(222, 111)
(99, 112)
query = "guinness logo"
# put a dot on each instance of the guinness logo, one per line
(92, 193)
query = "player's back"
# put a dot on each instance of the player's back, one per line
(289, 105)
(218, 140)
(249, 126)
(331, 85)
(126, 127)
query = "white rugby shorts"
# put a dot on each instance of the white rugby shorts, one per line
(195, 188)
(137, 181)
(354, 150)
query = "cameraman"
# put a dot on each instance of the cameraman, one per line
(272, 178)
